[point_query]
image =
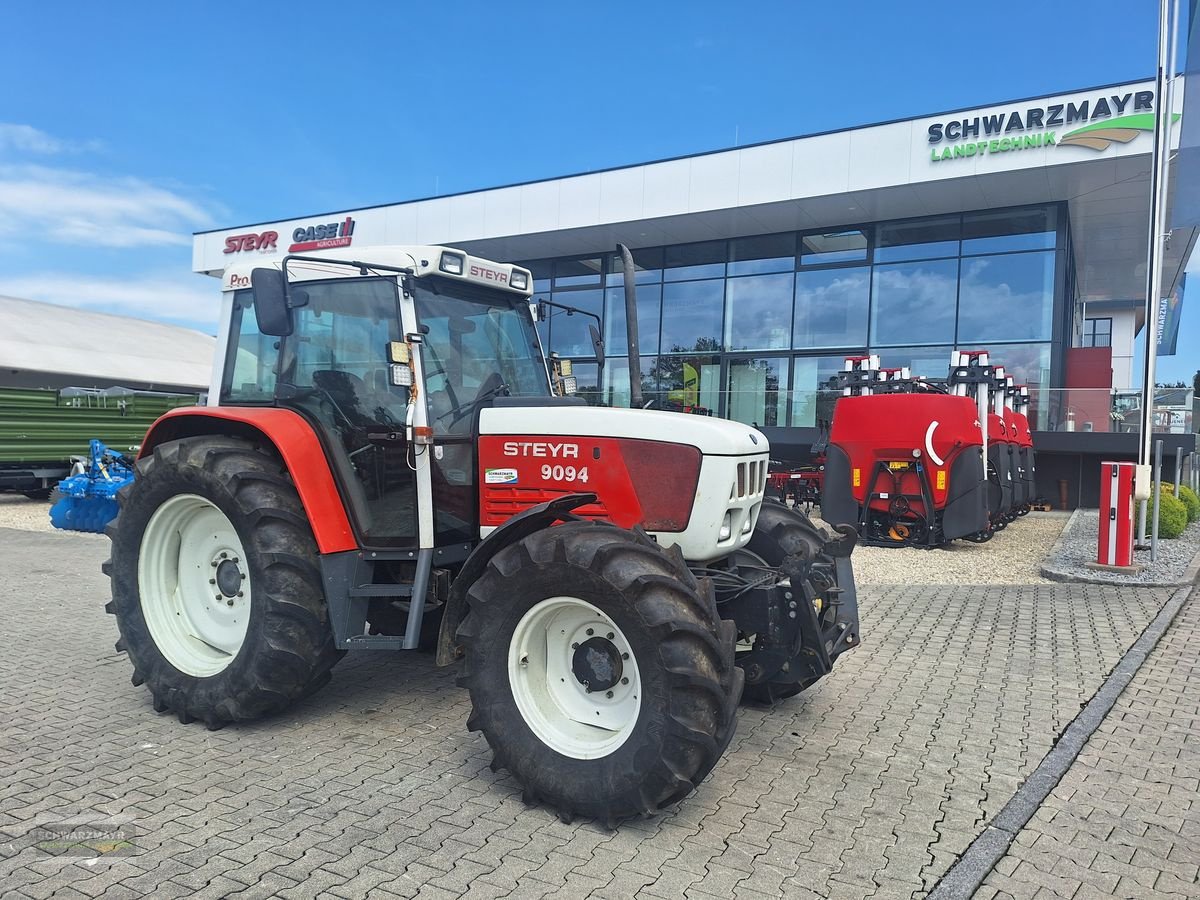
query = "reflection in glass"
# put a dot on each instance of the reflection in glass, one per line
(833, 246)
(1006, 298)
(705, 260)
(647, 266)
(691, 318)
(616, 381)
(760, 312)
(831, 307)
(998, 232)
(913, 303)
(766, 253)
(924, 239)
(689, 382)
(932, 362)
(757, 391)
(649, 306)
(812, 398)
(575, 272)
(569, 335)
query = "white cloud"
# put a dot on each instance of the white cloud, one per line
(72, 207)
(190, 299)
(27, 139)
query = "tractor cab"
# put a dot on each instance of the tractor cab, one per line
(390, 363)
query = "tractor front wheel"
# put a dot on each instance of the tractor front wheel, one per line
(600, 671)
(215, 583)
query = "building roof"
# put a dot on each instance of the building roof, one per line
(99, 349)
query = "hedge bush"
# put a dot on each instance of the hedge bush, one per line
(1191, 501)
(1172, 513)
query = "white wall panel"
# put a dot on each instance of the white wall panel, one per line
(539, 206)
(713, 182)
(821, 165)
(579, 202)
(621, 193)
(764, 173)
(665, 192)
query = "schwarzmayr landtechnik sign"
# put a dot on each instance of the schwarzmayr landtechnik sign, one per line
(1102, 120)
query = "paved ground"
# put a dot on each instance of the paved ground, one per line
(1125, 820)
(870, 784)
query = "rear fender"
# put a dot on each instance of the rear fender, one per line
(515, 529)
(292, 438)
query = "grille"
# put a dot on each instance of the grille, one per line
(751, 479)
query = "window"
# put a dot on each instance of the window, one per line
(649, 308)
(932, 362)
(1006, 298)
(913, 303)
(569, 335)
(833, 246)
(1097, 333)
(812, 398)
(768, 253)
(1000, 232)
(831, 308)
(689, 381)
(692, 315)
(616, 381)
(923, 239)
(760, 312)
(688, 261)
(251, 357)
(758, 391)
(647, 266)
(577, 272)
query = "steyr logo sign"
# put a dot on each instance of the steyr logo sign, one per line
(322, 237)
(1104, 120)
(262, 241)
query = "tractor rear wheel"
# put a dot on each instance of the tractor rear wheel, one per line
(215, 583)
(600, 671)
(781, 531)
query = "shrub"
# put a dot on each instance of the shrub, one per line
(1191, 501)
(1172, 514)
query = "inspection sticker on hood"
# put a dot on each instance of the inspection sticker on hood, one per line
(500, 476)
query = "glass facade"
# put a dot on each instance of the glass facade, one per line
(753, 328)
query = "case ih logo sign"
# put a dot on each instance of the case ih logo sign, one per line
(263, 241)
(322, 237)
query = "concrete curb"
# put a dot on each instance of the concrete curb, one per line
(966, 875)
(1051, 572)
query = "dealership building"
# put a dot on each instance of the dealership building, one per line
(1018, 227)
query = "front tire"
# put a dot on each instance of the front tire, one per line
(599, 670)
(215, 583)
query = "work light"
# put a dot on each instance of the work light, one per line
(451, 263)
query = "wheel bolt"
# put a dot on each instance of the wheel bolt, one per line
(212, 581)
(213, 564)
(575, 646)
(590, 632)
(240, 594)
(610, 635)
(224, 555)
(608, 694)
(624, 681)
(236, 560)
(624, 656)
(229, 603)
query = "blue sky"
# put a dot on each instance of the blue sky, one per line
(123, 128)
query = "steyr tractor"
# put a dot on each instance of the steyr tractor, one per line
(389, 461)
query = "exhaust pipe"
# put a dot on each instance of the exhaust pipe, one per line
(631, 329)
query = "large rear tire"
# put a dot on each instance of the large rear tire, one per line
(600, 671)
(215, 583)
(781, 531)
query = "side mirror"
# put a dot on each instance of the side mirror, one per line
(271, 302)
(597, 343)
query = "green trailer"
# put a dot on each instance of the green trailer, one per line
(43, 431)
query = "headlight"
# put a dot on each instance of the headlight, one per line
(401, 375)
(519, 280)
(451, 263)
(570, 385)
(726, 527)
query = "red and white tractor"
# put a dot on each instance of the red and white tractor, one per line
(388, 461)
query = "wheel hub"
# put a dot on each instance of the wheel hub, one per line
(596, 664)
(229, 577)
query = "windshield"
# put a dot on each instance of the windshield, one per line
(480, 344)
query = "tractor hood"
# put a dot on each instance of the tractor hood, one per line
(711, 436)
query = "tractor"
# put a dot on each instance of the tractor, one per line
(389, 461)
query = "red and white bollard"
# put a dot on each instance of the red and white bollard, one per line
(1115, 544)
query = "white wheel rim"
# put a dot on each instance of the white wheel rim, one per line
(194, 585)
(554, 703)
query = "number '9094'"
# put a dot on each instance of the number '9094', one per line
(564, 473)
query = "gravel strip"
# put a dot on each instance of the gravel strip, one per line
(1078, 547)
(30, 515)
